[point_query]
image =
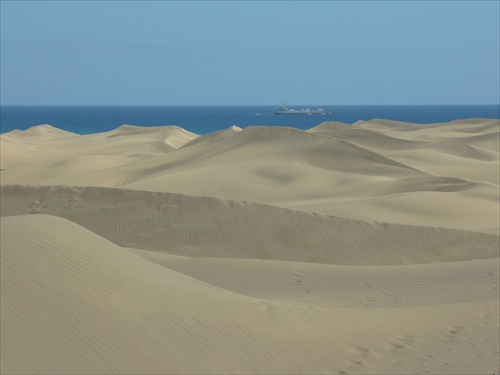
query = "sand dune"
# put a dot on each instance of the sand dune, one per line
(339, 170)
(46, 148)
(365, 248)
(376, 171)
(106, 310)
(209, 227)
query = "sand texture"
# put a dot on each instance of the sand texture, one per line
(367, 248)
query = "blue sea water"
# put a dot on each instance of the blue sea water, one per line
(207, 119)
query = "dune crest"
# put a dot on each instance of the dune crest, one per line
(42, 131)
(209, 227)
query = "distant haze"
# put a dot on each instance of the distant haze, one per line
(249, 53)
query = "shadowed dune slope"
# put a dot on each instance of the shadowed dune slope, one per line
(210, 227)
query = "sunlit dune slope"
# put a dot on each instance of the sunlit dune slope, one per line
(73, 302)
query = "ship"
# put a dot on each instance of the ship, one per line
(284, 110)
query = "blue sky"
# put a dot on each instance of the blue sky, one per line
(249, 53)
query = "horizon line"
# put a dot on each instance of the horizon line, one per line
(239, 105)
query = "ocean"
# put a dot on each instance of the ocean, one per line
(207, 119)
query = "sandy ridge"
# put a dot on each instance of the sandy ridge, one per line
(210, 227)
